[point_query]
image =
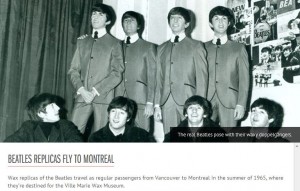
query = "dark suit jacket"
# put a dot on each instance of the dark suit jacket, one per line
(97, 63)
(181, 70)
(131, 134)
(139, 75)
(184, 133)
(30, 131)
(228, 73)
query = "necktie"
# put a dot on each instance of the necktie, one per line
(218, 42)
(176, 38)
(95, 34)
(128, 40)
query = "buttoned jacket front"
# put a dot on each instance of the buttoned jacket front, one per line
(228, 73)
(140, 68)
(99, 64)
(181, 70)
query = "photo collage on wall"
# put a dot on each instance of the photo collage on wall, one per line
(272, 28)
(243, 21)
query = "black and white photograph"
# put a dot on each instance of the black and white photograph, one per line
(265, 20)
(149, 95)
(75, 58)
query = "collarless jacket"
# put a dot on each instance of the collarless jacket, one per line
(99, 64)
(139, 76)
(228, 73)
(181, 71)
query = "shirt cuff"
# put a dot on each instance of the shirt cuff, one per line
(78, 93)
(240, 106)
(149, 103)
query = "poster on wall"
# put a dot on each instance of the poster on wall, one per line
(288, 24)
(270, 67)
(289, 31)
(243, 21)
(265, 20)
(274, 42)
(286, 5)
(237, 5)
(243, 26)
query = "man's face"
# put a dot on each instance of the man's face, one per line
(51, 113)
(130, 26)
(98, 20)
(195, 114)
(117, 118)
(177, 24)
(265, 55)
(286, 52)
(259, 118)
(220, 25)
(278, 52)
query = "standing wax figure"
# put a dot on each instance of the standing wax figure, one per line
(181, 70)
(96, 69)
(139, 76)
(45, 124)
(120, 126)
(228, 70)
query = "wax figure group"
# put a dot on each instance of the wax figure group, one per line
(159, 78)
(181, 82)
